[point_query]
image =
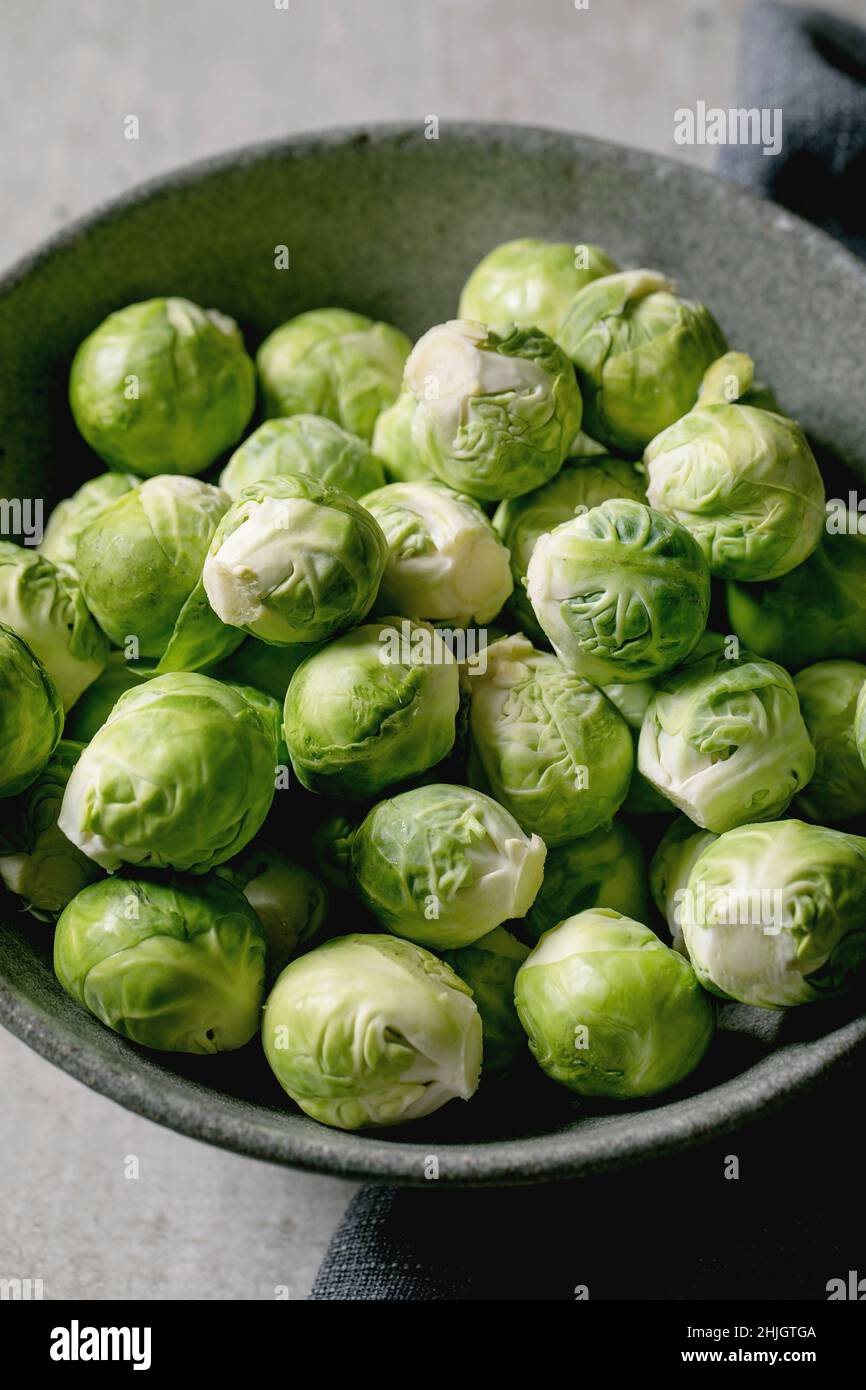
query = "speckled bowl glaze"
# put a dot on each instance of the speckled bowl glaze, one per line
(390, 223)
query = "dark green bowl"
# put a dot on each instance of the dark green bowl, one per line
(389, 223)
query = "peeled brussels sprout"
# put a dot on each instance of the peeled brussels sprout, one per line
(546, 744)
(69, 518)
(621, 591)
(140, 563)
(361, 716)
(725, 741)
(93, 707)
(176, 966)
(813, 613)
(632, 701)
(445, 561)
(335, 363)
(288, 900)
(610, 1010)
(580, 485)
(37, 862)
(640, 354)
(303, 444)
(678, 852)
(773, 914)
(393, 442)
(162, 387)
(262, 665)
(370, 1030)
(496, 408)
(443, 865)
(294, 560)
(45, 605)
(531, 282)
(488, 967)
(181, 776)
(743, 481)
(828, 693)
(604, 869)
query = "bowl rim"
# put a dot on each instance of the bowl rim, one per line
(637, 1135)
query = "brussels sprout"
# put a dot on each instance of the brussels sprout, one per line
(393, 442)
(93, 707)
(307, 444)
(445, 561)
(828, 694)
(294, 561)
(744, 482)
(488, 967)
(546, 744)
(140, 563)
(288, 900)
(621, 591)
(335, 363)
(175, 966)
(45, 605)
(632, 702)
(31, 714)
(496, 408)
(579, 486)
(604, 869)
(262, 665)
(37, 862)
(181, 776)
(363, 713)
(370, 1030)
(610, 1010)
(162, 387)
(331, 846)
(678, 851)
(773, 914)
(443, 865)
(724, 739)
(640, 354)
(815, 612)
(531, 282)
(270, 711)
(69, 518)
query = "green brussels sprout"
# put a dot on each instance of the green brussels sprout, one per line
(31, 714)
(91, 709)
(176, 966)
(270, 711)
(445, 561)
(37, 862)
(307, 444)
(288, 900)
(162, 387)
(335, 363)
(640, 354)
(69, 518)
(816, 612)
(678, 852)
(531, 282)
(488, 967)
(181, 776)
(723, 738)
(610, 1010)
(294, 561)
(744, 482)
(828, 693)
(443, 865)
(262, 665)
(621, 592)
(331, 846)
(632, 702)
(371, 710)
(394, 445)
(773, 913)
(370, 1030)
(140, 563)
(546, 744)
(45, 605)
(496, 408)
(580, 485)
(604, 869)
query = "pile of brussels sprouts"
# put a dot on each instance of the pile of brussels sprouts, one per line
(400, 737)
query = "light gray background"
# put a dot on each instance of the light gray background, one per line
(203, 76)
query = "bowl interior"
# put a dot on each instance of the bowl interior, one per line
(389, 223)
